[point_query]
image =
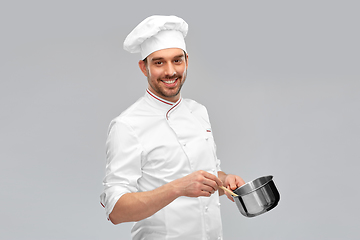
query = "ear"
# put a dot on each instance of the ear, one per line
(187, 61)
(143, 67)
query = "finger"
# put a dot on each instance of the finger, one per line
(218, 182)
(208, 189)
(210, 184)
(231, 184)
(204, 194)
(228, 195)
(240, 181)
(231, 198)
(213, 178)
(235, 182)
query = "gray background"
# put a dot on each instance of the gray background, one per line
(280, 80)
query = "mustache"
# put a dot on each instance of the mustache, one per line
(175, 75)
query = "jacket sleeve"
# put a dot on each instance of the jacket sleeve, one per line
(123, 164)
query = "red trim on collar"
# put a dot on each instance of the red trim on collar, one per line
(167, 114)
(157, 98)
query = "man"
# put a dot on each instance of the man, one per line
(162, 171)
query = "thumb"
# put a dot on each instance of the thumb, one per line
(233, 186)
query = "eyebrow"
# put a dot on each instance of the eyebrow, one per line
(161, 58)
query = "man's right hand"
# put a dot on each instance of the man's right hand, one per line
(139, 205)
(196, 184)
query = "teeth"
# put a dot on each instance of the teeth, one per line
(169, 81)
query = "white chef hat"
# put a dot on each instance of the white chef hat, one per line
(156, 33)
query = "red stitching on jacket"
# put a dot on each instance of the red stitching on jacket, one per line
(157, 98)
(167, 114)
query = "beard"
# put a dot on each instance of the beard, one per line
(168, 92)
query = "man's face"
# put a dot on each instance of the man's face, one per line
(166, 72)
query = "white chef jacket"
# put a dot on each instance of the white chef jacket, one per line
(152, 143)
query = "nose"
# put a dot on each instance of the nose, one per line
(170, 70)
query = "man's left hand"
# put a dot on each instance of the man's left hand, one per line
(232, 182)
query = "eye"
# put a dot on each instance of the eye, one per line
(158, 63)
(178, 61)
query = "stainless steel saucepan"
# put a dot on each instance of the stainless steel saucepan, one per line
(257, 197)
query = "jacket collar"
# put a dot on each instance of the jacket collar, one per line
(160, 103)
(157, 100)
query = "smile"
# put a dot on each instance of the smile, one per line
(171, 81)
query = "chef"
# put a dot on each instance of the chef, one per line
(162, 171)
